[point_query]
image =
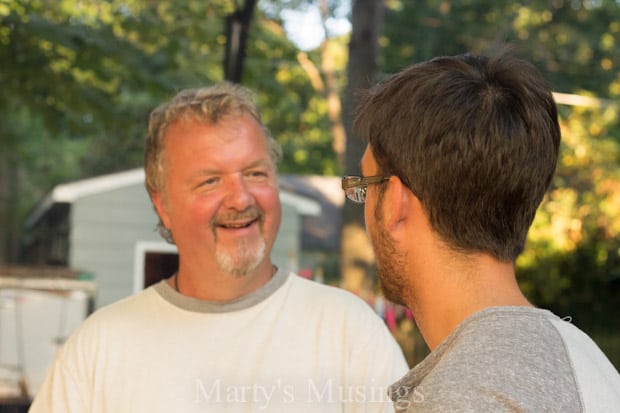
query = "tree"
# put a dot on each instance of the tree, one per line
(297, 91)
(568, 40)
(237, 32)
(326, 82)
(572, 262)
(356, 252)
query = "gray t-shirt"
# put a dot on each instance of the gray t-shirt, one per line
(511, 359)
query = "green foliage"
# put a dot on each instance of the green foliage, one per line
(572, 262)
(570, 41)
(293, 110)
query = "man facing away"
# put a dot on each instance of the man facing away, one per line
(461, 151)
(229, 331)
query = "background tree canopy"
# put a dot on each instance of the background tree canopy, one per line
(79, 78)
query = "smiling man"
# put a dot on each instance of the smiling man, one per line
(229, 331)
(223, 176)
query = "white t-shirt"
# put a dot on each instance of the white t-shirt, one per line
(292, 346)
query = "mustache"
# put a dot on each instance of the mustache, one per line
(249, 214)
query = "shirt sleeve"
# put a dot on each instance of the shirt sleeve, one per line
(376, 362)
(66, 387)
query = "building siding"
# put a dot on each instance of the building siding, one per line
(105, 228)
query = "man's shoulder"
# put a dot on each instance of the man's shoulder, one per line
(327, 294)
(508, 336)
(124, 309)
(501, 354)
(318, 299)
(110, 325)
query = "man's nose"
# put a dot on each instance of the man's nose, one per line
(238, 195)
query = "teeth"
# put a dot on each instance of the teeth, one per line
(235, 222)
(236, 225)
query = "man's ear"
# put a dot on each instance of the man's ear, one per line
(160, 206)
(398, 203)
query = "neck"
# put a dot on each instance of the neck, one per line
(215, 285)
(445, 295)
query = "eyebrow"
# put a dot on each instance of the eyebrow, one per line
(253, 164)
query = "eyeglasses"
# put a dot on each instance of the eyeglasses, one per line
(356, 187)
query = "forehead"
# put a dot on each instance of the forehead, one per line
(225, 144)
(224, 130)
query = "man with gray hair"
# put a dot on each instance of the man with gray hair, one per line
(229, 331)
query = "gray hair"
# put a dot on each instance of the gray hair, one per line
(209, 105)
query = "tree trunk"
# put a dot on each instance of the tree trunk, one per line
(4, 210)
(357, 258)
(9, 216)
(332, 95)
(237, 31)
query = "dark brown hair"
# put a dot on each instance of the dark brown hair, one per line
(476, 139)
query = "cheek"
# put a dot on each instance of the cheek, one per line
(371, 227)
(277, 216)
(366, 217)
(198, 210)
(269, 201)
(267, 197)
(370, 214)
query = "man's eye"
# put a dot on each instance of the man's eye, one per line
(209, 182)
(258, 174)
